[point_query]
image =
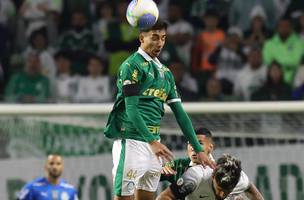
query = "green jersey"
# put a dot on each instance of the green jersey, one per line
(180, 166)
(156, 86)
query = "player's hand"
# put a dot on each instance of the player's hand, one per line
(205, 160)
(161, 151)
(168, 171)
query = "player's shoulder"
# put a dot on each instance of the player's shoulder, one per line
(200, 172)
(66, 185)
(40, 181)
(134, 60)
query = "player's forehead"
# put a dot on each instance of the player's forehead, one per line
(159, 33)
(54, 158)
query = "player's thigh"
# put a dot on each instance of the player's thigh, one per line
(131, 161)
(150, 180)
(124, 198)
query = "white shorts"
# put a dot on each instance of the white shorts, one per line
(135, 167)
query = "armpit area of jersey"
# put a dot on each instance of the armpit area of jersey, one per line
(130, 90)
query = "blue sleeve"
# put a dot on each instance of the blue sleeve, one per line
(26, 193)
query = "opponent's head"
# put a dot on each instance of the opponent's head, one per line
(204, 137)
(54, 166)
(153, 39)
(226, 176)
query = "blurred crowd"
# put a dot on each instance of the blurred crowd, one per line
(69, 51)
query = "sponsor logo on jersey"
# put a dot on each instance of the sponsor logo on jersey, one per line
(159, 93)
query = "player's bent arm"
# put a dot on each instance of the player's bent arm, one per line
(131, 102)
(186, 184)
(254, 193)
(185, 124)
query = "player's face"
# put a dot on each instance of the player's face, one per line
(220, 194)
(153, 41)
(206, 143)
(54, 166)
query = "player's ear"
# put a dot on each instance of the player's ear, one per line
(141, 37)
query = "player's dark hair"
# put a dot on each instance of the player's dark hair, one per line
(203, 131)
(228, 172)
(159, 25)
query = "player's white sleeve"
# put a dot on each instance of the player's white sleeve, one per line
(242, 185)
(190, 180)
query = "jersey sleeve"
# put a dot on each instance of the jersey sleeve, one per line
(173, 95)
(26, 193)
(242, 185)
(190, 180)
(129, 73)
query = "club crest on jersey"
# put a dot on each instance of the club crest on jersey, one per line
(180, 181)
(64, 196)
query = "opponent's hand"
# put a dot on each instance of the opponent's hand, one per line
(168, 171)
(161, 150)
(205, 160)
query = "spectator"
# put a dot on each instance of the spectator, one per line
(79, 41)
(286, 48)
(229, 58)
(96, 87)
(36, 14)
(105, 13)
(252, 76)
(258, 32)
(239, 10)
(179, 32)
(275, 88)
(38, 44)
(29, 86)
(213, 90)
(186, 85)
(7, 11)
(66, 83)
(200, 7)
(120, 39)
(207, 41)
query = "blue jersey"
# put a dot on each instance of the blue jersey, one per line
(41, 189)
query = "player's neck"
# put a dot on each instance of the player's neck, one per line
(52, 180)
(147, 52)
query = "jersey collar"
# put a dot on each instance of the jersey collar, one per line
(148, 58)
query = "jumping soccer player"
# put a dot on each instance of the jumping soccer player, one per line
(144, 85)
